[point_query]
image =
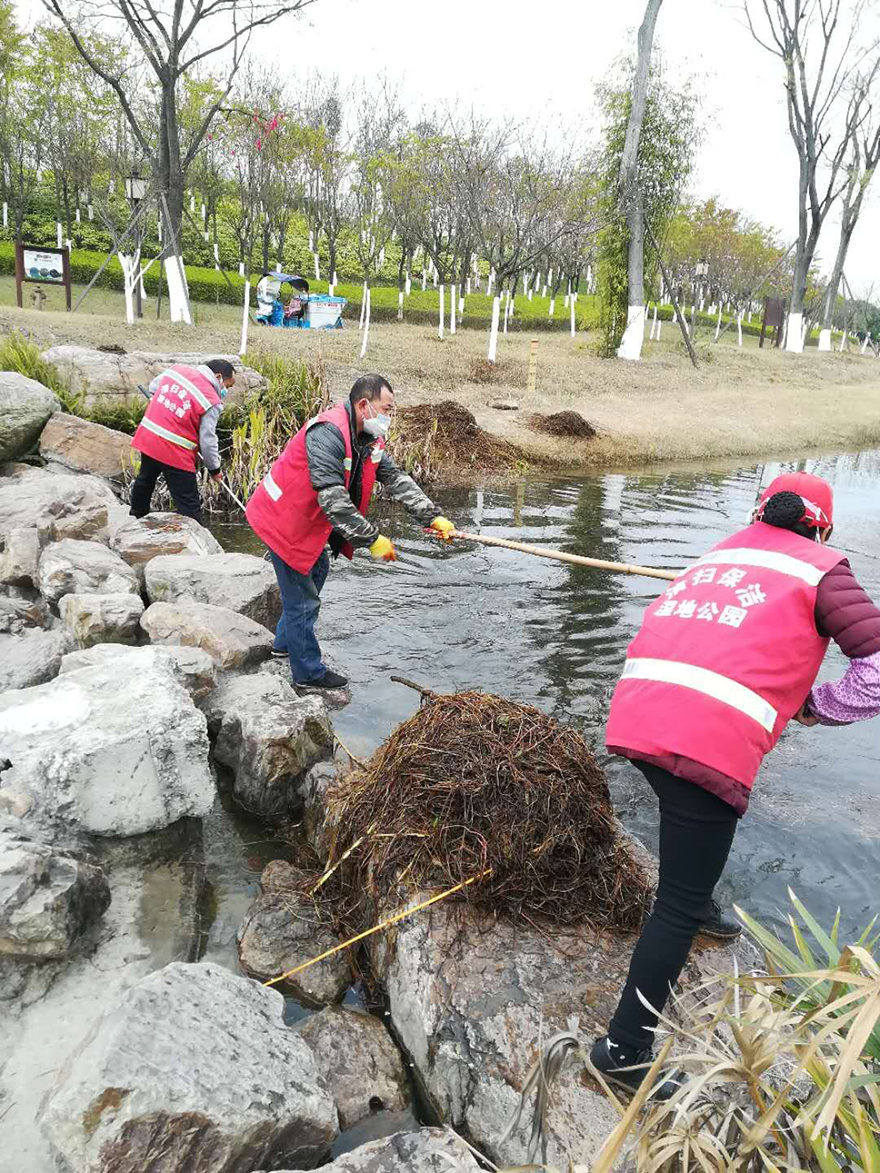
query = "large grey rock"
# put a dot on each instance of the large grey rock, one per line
(139, 539)
(469, 1003)
(314, 789)
(18, 616)
(97, 619)
(269, 737)
(47, 898)
(109, 378)
(76, 567)
(280, 932)
(230, 639)
(25, 405)
(241, 582)
(428, 1150)
(55, 505)
(193, 1069)
(82, 446)
(32, 658)
(108, 750)
(194, 669)
(359, 1062)
(156, 915)
(20, 556)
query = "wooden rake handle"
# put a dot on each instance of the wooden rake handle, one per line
(559, 556)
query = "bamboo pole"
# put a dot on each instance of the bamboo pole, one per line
(377, 928)
(575, 559)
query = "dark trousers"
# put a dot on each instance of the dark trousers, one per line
(300, 605)
(182, 485)
(696, 834)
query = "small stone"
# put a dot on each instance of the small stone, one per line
(241, 582)
(20, 557)
(230, 639)
(14, 803)
(77, 567)
(25, 406)
(279, 933)
(97, 619)
(280, 876)
(359, 1061)
(82, 446)
(47, 898)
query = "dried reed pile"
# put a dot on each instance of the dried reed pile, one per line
(474, 784)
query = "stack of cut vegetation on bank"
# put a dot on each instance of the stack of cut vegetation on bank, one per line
(433, 440)
(474, 785)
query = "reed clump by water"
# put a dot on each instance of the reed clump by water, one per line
(474, 785)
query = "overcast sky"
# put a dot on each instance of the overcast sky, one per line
(542, 60)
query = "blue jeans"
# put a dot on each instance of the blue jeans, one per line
(300, 604)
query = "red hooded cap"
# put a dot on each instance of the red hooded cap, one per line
(815, 493)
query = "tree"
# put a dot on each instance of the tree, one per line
(816, 41)
(859, 168)
(668, 140)
(174, 39)
(630, 191)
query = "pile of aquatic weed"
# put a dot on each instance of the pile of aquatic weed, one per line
(563, 423)
(431, 440)
(474, 786)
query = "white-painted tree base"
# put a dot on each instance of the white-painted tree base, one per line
(634, 336)
(366, 326)
(493, 331)
(178, 294)
(245, 317)
(794, 342)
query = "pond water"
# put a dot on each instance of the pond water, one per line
(463, 616)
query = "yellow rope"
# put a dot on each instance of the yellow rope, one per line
(377, 928)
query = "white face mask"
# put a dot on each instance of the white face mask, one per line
(377, 426)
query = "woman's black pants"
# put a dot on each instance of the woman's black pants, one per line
(696, 833)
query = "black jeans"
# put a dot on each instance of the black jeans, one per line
(182, 485)
(696, 834)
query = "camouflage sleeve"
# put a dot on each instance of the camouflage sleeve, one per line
(404, 489)
(347, 521)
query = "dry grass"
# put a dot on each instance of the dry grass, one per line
(745, 403)
(474, 786)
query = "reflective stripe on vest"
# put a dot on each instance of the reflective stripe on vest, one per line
(712, 684)
(271, 487)
(768, 559)
(199, 397)
(158, 430)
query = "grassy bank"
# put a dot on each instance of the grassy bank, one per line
(740, 403)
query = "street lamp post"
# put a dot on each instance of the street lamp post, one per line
(135, 191)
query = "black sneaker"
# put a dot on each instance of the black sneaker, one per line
(276, 655)
(328, 680)
(715, 924)
(627, 1068)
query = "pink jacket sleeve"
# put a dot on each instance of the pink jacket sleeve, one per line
(846, 613)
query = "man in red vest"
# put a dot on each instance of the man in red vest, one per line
(180, 422)
(724, 659)
(318, 492)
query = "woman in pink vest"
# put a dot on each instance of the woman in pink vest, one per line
(180, 422)
(724, 659)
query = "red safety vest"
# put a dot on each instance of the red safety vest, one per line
(284, 509)
(169, 431)
(726, 656)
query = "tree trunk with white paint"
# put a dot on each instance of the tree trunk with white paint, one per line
(366, 325)
(452, 305)
(442, 311)
(493, 329)
(245, 318)
(633, 205)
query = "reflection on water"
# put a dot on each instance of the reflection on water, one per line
(463, 616)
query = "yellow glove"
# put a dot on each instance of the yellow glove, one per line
(444, 527)
(383, 548)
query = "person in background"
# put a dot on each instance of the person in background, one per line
(724, 659)
(179, 423)
(318, 492)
